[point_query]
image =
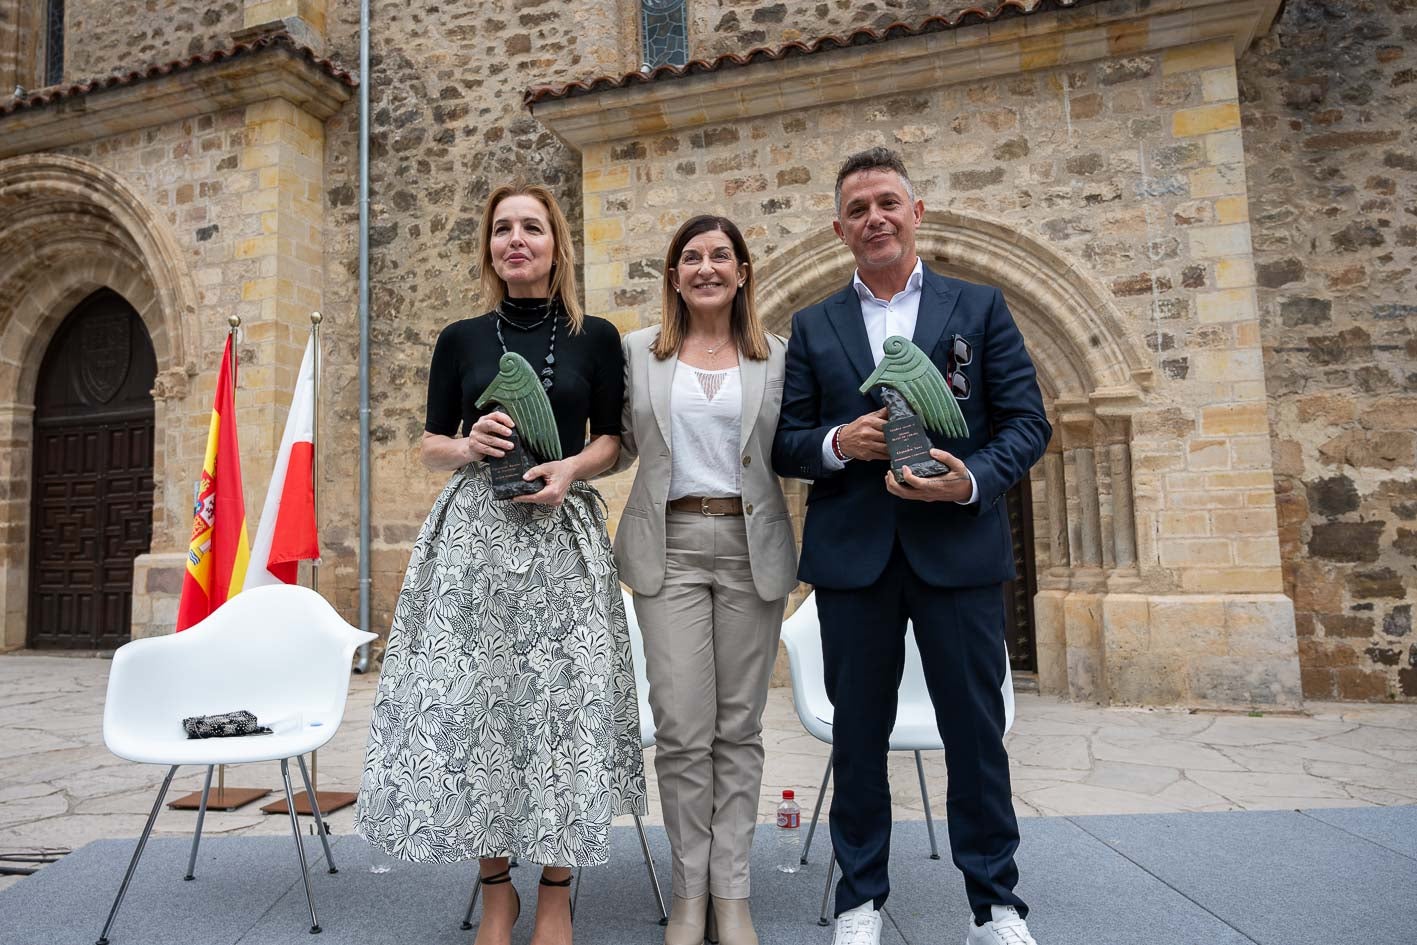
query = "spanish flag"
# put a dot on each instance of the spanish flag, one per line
(218, 553)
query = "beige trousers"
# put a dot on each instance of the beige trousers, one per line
(710, 643)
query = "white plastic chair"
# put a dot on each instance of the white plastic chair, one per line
(915, 728)
(637, 656)
(280, 652)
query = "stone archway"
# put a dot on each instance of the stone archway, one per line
(68, 228)
(1073, 328)
(1094, 376)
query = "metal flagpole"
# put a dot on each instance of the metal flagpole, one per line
(313, 800)
(328, 801)
(203, 800)
(234, 325)
(315, 319)
(362, 664)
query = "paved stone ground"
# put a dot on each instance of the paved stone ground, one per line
(60, 788)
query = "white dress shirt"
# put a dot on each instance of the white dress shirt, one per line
(884, 318)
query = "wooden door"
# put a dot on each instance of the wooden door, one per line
(91, 513)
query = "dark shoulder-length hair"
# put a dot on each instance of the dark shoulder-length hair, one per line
(748, 333)
(563, 268)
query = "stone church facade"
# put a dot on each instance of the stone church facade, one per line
(1203, 215)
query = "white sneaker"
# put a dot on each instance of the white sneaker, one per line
(859, 926)
(1005, 928)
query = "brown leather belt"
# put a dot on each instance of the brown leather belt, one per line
(706, 506)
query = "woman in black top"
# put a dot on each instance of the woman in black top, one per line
(505, 722)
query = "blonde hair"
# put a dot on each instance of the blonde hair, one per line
(748, 333)
(563, 266)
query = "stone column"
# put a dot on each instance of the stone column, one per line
(1057, 498)
(22, 38)
(1089, 551)
(158, 575)
(16, 438)
(1082, 604)
(1124, 537)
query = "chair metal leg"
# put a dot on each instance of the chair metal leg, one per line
(817, 810)
(315, 809)
(472, 901)
(925, 796)
(649, 865)
(299, 844)
(201, 817)
(827, 890)
(137, 854)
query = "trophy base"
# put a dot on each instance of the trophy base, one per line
(928, 469)
(909, 446)
(507, 472)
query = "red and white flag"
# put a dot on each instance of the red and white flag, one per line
(287, 533)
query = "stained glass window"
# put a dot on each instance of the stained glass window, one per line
(664, 33)
(54, 44)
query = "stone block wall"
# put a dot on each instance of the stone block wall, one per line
(1128, 169)
(1329, 102)
(109, 36)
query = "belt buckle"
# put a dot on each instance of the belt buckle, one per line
(704, 508)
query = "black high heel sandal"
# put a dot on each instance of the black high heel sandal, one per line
(560, 884)
(498, 879)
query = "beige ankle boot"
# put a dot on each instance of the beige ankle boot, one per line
(734, 921)
(687, 919)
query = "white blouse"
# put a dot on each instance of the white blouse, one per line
(705, 410)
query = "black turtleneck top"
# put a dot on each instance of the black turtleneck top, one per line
(589, 384)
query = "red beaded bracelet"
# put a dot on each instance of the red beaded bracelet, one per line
(836, 445)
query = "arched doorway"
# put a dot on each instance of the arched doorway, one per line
(1073, 519)
(91, 511)
(1019, 630)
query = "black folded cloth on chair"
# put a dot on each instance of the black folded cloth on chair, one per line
(226, 725)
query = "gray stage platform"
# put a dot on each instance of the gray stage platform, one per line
(1274, 878)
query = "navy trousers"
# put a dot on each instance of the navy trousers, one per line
(960, 633)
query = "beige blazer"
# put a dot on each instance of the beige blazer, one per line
(639, 540)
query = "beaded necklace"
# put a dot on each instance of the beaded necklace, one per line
(547, 373)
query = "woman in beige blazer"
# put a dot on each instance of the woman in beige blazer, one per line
(706, 545)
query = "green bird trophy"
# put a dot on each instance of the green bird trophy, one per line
(918, 398)
(518, 391)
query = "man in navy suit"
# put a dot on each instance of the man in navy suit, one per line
(931, 551)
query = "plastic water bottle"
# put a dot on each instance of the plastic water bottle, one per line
(379, 861)
(789, 834)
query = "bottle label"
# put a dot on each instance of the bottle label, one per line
(789, 819)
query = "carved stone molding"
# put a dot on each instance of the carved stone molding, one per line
(67, 227)
(1058, 306)
(276, 72)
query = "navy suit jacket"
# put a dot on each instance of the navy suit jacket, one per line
(852, 521)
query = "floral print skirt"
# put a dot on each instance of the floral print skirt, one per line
(506, 720)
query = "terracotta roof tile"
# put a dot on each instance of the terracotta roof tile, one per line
(862, 37)
(58, 93)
